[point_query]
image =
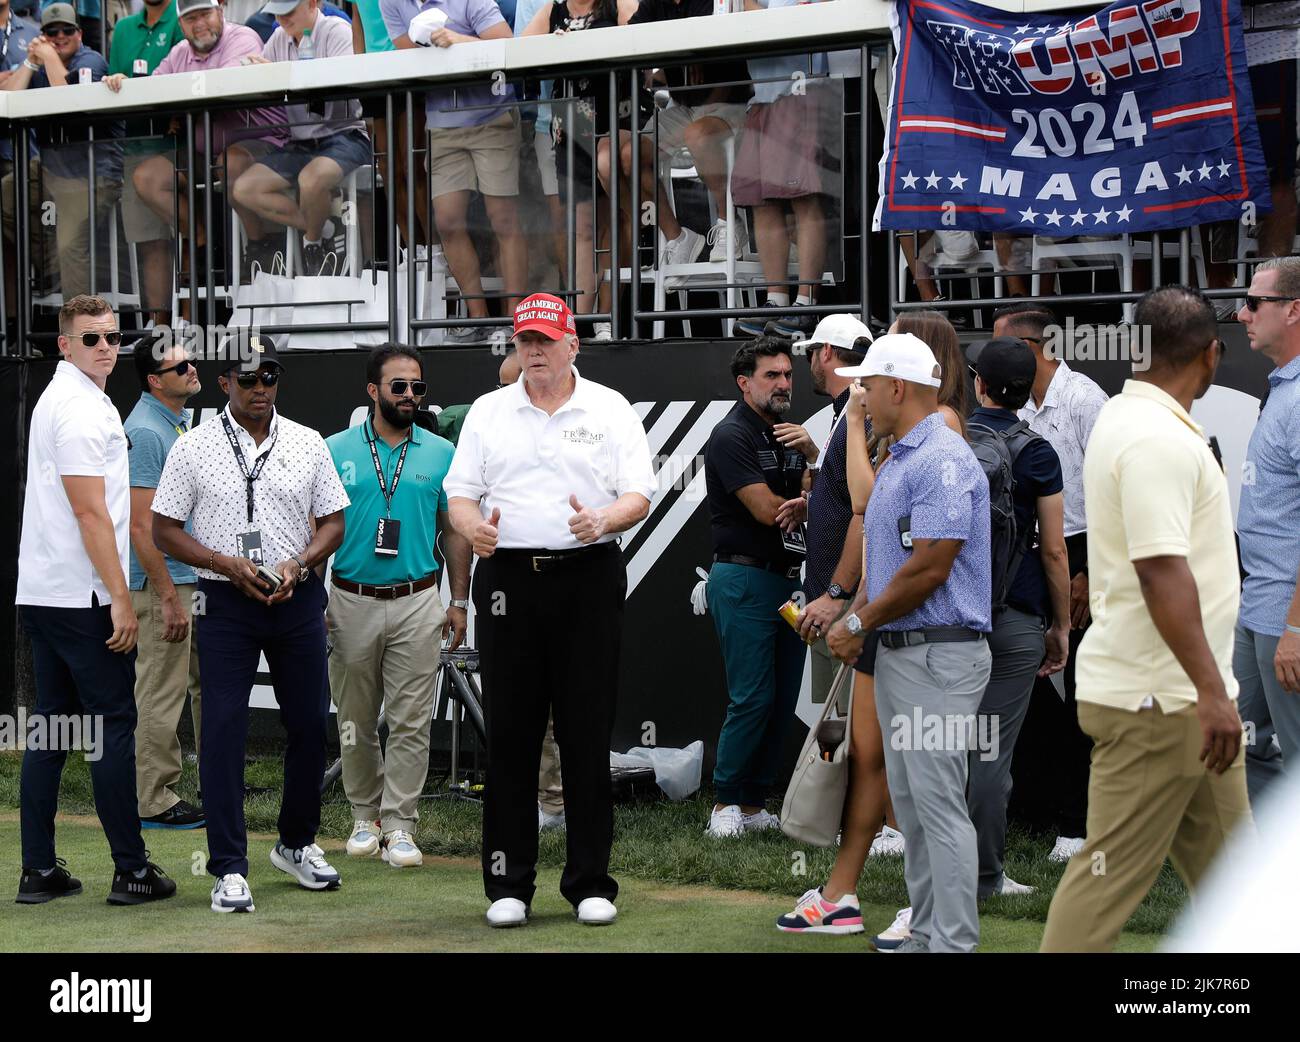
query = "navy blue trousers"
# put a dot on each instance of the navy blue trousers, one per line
(234, 631)
(75, 675)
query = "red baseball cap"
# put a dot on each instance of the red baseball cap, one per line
(546, 314)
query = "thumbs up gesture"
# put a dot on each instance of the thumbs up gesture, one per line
(586, 524)
(485, 535)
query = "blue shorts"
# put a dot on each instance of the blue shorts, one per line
(349, 149)
(866, 661)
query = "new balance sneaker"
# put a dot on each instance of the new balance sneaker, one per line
(760, 821)
(754, 325)
(399, 850)
(307, 865)
(141, 886)
(230, 893)
(1066, 847)
(685, 249)
(792, 327)
(729, 821)
(364, 841)
(814, 914)
(36, 885)
(718, 239)
(509, 911)
(180, 815)
(548, 821)
(899, 931)
(596, 911)
(602, 332)
(1010, 888)
(888, 843)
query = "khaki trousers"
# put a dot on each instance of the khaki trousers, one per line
(163, 674)
(72, 219)
(825, 666)
(550, 788)
(385, 654)
(1149, 797)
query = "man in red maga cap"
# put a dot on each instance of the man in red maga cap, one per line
(547, 472)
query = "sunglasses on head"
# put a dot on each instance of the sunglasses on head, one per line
(1253, 303)
(418, 387)
(269, 378)
(112, 338)
(180, 368)
(61, 30)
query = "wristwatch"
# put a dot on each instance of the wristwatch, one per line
(852, 623)
(463, 605)
(300, 562)
(836, 592)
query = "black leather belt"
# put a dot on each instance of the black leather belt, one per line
(385, 593)
(930, 635)
(789, 571)
(542, 560)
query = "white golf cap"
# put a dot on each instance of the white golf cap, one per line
(838, 331)
(901, 356)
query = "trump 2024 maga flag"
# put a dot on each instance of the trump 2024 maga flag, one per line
(1135, 118)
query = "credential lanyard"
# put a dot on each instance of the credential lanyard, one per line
(250, 477)
(384, 490)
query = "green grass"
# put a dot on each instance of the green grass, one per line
(680, 890)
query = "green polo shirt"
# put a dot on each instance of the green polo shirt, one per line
(133, 39)
(415, 504)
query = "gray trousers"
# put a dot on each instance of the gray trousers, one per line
(1017, 646)
(927, 696)
(1273, 712)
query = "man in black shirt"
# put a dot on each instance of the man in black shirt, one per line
(754, 476)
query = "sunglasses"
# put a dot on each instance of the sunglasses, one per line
(269, 378)
(418, 387)
(113, 338)
(1253, 303)
(60, 30)
(180, 369)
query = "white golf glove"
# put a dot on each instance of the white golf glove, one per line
(699, 596)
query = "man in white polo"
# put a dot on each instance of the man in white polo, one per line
(547, 472)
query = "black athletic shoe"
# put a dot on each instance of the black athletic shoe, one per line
(180, 815)
(137, 888)
(792, 327)
(35, 887)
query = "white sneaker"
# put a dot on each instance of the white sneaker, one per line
(509, 911)
(760, 821)
(685, 249)
(898, 932)
(718, 238)
(726, 822)
(1010, 888)
(596, 911)
(399, 849)
(1066, 847)
(230, 893)
(549, 821)
(888, 843)
(307, 865)
(364, 841)
(602, 332)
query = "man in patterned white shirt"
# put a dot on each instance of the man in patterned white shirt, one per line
(264, 497)
(1062, 408)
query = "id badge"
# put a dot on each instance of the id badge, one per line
(249, 544)
(387, 533)
(795, 541)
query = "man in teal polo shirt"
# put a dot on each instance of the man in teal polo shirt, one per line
(162, 590)
(140, 43)
(385, 616)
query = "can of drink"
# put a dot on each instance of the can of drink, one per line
(791, 612)
(139, 67)
(84, 75)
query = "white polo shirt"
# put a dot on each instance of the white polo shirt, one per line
(76, 432)
(202, 479)
(512, 455)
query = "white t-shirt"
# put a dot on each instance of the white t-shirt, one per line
(512, 455)
(76, 432)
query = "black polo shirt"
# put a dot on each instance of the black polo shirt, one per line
(830, 507)
(742, 450)
(679, 76)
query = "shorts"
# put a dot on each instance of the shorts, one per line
(349, 149)
(584, 173)
(674, 120)
(544, 149)
(780, 152)
(1274, 88)
(483, 159)
(866, 661)
(139, 222)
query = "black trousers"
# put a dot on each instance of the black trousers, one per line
(75, 675)
(549, 643)
(234, 631)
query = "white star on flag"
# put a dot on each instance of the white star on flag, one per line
(1124, 213)
(1028, 215)
(1064, 28)
(910, 179)
(932, 180)
(1077, 216)
(1054, 217)
(1101, 215)
(1022, 29)
(958, 182)
(1223, 168)
(1204, 171)
(1184, 175)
